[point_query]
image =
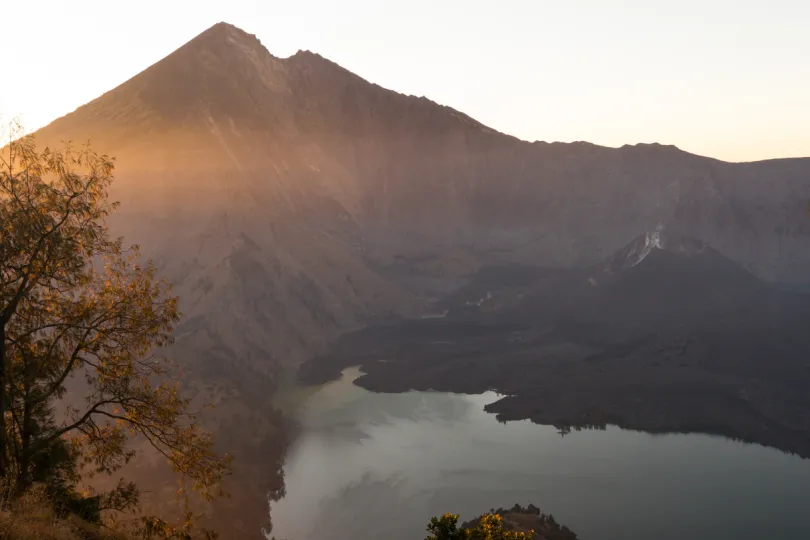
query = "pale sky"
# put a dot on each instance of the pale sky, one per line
(724, 78)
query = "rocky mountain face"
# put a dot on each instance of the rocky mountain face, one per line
(290, 200)
(283, 194)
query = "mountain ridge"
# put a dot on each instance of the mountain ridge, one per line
(291, 201)
(300, 151)
(223, 33)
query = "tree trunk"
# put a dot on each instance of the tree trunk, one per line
(23, 473)
(2, 399)
(26, 430)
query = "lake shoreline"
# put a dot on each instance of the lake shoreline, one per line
(369, 463)
(555, 382)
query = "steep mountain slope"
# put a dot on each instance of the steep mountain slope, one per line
(222, 146)
(308, 135)
(220, 182)
(290, 201)
(665, 279)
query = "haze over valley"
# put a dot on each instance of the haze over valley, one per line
(312, 221)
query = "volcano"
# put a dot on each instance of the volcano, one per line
(667, 334)
(663, 278)
(291, 201)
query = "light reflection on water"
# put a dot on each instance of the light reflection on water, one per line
(371, 466)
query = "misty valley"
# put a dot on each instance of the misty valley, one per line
(329, 310)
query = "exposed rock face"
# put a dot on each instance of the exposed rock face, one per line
(640, 248)
(290, 200)
(265, 186)
(273, 191)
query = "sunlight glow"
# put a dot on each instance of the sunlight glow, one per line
(729, 79)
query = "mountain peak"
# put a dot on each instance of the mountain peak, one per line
(669, 279)
(223, 33)
(657, 240)
(223, 26)
(220, 46)
(217, 75)
(655, 146)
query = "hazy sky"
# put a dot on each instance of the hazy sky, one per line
(729, 79)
